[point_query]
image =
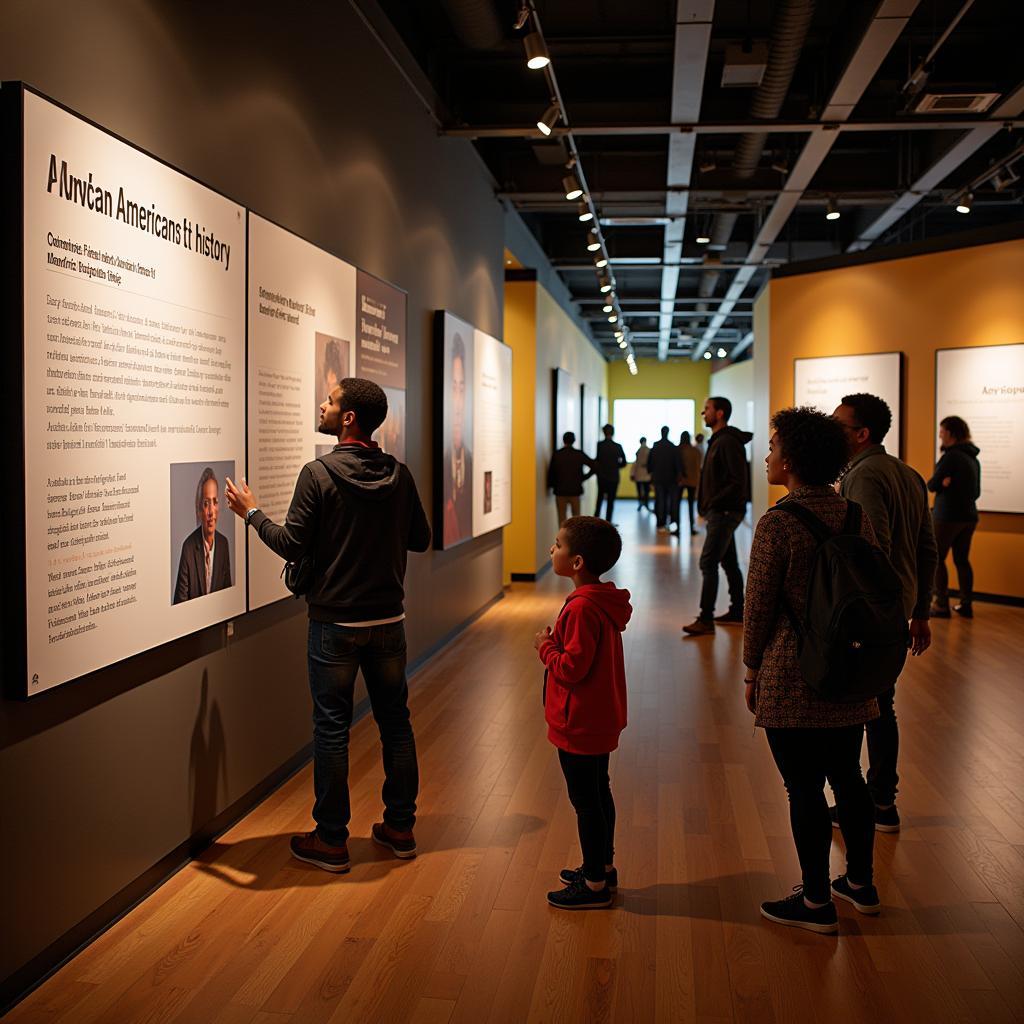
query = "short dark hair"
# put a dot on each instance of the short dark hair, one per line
(700, 437)
(207, 475)
(568, 437)
(684, 437)
(367, 400)
(871, 413)
(643, 440)
(815, 445)
(595, 540)
(608, 429)
(722, 405)
(664, 431)
(957, 427)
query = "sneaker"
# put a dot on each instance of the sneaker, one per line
(401, 844)
(571, 875)
(730, 618)
(965, 611)
(794, 912)
(865, 899)
(887, 820)
(700, 627)
(940, 611)
(579, 896)
(313, 850)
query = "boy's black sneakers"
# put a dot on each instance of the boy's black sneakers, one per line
(865, 899)
(579, 896)
(794, 912)
(887, 820)
(570, 875)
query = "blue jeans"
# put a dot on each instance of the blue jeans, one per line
(336, 653)
(720, 549)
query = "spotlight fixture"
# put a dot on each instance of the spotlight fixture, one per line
(721, 353)
(572, 186)
(549, 120)
(614, 318)
(707, 355)
(622, 343)
(619, 334)
(585, 213)
(963, 204)
(703, 240)
(536, 52)
(607, 307)
(600, 261)
(595, 240)
(707, 165)
(632, 369)
(831, 209)
(606, 284)
(521, 18)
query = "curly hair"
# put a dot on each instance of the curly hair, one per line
(367, 400)
(814, 445)
(595, 540)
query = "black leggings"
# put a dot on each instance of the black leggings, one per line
(958, 537)
(805, 758)
(590, 793)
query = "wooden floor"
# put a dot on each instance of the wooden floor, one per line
(463, 933)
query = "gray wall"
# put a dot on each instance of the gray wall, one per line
(294, 111)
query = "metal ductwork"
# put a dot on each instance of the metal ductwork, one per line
(789, 32)
(475, 22)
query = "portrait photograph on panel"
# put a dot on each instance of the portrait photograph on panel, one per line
(202, 530)
(457, 456)
(391, 433)
(332, 366)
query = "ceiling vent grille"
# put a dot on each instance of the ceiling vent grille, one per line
(955, 102)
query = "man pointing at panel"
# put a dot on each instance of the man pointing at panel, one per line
(357, 514)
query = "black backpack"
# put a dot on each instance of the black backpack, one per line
(853, 639)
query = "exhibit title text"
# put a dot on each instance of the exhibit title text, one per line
(85, 193)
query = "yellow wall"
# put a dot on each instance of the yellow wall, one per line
(542, 338)
(953, 299)
(678, 378)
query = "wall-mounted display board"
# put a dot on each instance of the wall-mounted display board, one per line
(313, 320)
(473, 432)
(822, 382)
(985, 387)
(126, 357)
(564, 403)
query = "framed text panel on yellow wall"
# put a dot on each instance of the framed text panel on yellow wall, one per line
(984, 386)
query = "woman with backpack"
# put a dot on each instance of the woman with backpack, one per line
(811, 739)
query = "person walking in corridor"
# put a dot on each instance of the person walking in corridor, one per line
(665, 470)
(956, 484)
(640, 474)
(722, 496)
(610, 460)
(895, 499)
(567, 471)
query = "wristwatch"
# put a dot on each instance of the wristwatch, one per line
(249, 515)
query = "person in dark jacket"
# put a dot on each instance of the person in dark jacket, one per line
(811, 739)
(666, 467)
(640, 474)
(722, 496)
(205, 563)
(689, 478)
(356, 512)
(956, 484)
(568, 469)
(610, 460)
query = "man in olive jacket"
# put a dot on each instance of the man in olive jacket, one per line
(895, 499)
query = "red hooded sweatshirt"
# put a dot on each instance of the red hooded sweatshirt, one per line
(585, 678)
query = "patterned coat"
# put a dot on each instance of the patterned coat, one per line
(780, 564)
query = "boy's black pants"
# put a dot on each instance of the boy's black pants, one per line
(590, 793)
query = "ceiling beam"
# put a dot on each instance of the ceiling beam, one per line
(961, 150)
(890, 18)
(692, 42)
(915, 123)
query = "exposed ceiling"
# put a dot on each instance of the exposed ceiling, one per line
(670, 154)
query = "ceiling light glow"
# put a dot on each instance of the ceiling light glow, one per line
(549, 120)
(536, 52)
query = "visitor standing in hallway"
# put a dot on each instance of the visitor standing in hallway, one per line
(665, 470)
(895, 499)
(722, 496)
(640, 475)
(956, 484)
(585, 700)
(610, 460)
(811, 739)
(688, 480)
(567, 471)
(356, 515)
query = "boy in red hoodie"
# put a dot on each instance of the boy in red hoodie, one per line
(585, 699)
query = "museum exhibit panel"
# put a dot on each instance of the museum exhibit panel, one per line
(473, 433)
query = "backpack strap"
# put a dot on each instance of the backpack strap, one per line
(814, 526)
(854, 518)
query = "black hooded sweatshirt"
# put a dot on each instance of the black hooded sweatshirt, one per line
(725, 475)
(359, 520)
(957, 503)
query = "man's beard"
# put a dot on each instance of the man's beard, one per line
(323, 429)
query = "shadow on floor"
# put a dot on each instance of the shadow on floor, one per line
(263, 863)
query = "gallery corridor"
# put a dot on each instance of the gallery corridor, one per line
(463, 933)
